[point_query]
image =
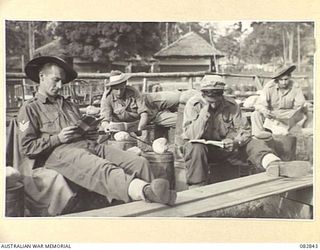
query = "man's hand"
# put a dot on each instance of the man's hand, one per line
(92, 134)
(228, 144)
(268, 114)
(105, 126)
(68, 134)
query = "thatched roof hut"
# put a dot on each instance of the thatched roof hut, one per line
(191, 52)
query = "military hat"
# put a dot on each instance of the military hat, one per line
(284, 71)
(117, 77)
(34, 66)
(212, 82)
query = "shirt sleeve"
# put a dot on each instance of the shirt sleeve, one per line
(241, 127)
(32, 142)
(141, 103)
(262, 103)
(194, 120)
(106, 107)
(299, 99)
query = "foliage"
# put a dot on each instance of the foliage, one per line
(230, 43)
(110, 41)
(270, 40)
(17, 36)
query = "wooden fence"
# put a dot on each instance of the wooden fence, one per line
(87, 85)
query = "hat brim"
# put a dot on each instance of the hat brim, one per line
(213, 89)
(33, 67)
(117, 82)
(284, 72)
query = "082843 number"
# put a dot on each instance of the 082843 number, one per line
(308, 246)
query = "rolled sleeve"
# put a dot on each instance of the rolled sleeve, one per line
(299, 99)
(195, 121)
(141, 103)
(106, 108)
(242, 128)
(262, 103)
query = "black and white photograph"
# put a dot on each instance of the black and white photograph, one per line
(159, 119)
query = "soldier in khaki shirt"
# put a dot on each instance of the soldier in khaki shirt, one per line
(48, 132)
(123, 103)
(212, 116)
(279, 100)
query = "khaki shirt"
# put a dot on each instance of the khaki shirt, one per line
(40, 120)
(225, 121)
(126, 109)
(271, 98)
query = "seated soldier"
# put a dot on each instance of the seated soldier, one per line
(281, 102)
(212, 116)
(123, 103)
(48, 132)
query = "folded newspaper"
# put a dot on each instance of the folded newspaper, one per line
(276, 127)
(87, 123)
(208, 142)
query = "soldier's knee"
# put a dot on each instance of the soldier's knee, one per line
(194, 150)
(256, 114)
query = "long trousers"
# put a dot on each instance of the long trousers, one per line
(164, 105)
(198, 156)
(99, 168)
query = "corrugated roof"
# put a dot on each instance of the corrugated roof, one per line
(189, 45)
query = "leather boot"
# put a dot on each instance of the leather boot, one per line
(159, 191)
(289, 168)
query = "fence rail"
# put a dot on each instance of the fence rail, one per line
(14, 75)
(87, 85)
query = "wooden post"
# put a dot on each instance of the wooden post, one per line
(24, 90)
(145, 85)
(167, 34)
(31, 39)
(257, 82)
(190, 83)
(298, 34)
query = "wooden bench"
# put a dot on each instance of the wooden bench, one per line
(199, 201)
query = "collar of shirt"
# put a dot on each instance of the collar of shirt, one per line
(286, 91)
(45, 99)
(127, 94)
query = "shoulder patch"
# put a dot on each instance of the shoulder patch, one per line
(23, 125)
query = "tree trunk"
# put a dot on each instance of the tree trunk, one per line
(298, 38)
(290, 35)
(284, 47)
(31, 40)
(167, 34)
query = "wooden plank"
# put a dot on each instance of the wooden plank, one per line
(304, 196)
(139, 208)
(233, 198)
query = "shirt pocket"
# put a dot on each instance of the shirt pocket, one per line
(288, 102)
(50, 123)
(226, 124)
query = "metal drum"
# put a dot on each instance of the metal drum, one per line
(178, 138)
(162, 166)
(15, 201)
(124, 145)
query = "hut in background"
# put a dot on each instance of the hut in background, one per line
(189, 53)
